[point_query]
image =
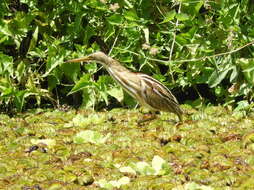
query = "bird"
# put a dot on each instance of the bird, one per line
(148, 91)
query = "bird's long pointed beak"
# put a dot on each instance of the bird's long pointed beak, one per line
(82, 59)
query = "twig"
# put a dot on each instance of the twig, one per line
(114, 43)
(215, 55)
(159, 9)
(174, 35)
(173, 44)
(191, 60)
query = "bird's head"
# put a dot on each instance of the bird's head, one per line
(99, 57)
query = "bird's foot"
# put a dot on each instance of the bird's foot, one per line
(178, 124)
(147, 117)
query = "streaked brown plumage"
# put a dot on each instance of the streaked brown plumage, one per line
(146, 90)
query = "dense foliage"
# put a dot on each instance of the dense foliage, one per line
(176, 42)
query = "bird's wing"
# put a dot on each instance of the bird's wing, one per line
(157, 95)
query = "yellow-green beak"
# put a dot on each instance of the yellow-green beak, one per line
(82, 59)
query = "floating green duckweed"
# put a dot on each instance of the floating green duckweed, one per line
(213, 149)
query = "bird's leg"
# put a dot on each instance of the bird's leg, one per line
(180, 120)
(148, 117)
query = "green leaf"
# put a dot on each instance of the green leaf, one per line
(169, 16)
(104, 95)
(96, 4)
(182, 16)
(234, 74)
(127, 169)
(247, 66)
(90, 136)
(131, 15)
(91, 68)
(8, 91)
(34, 39)
(144, 168)
(6, 65)
(117, 93)
(217, 77)
(20, 99)
(20, 70)
(52, 63)
(157, 164)
(84, 82)
(115, 19)
(88, 98)
(198, 6)
(82, 121)
(242, 105)
(71, 70)
(193, 186)
(114, 183)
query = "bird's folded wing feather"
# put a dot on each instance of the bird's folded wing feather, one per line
(157, 95)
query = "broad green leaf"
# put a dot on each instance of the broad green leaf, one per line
(131, 15)
(144, 168)
(82, 121)
(4, 84)
(90, 136)
(113, 184)
(122, 181)
(198, 6)
(52, 63)
(96, 4)
(128, 4)
(70, 70)
(181, 39)
(127, 169)
(217, 77)
(91, 67)
(104, 184)
(8, 91)
(192, 186)
(182, 16)
(20, 70)
(20, 99)
(115, 19)
(169, 16)
(117, 93)
(234, 74)
(89, 98)
(84, 82)
(247, 66)
(242, 105)
(6, 65)
(157, 164)
(53, 80)
(104, 96)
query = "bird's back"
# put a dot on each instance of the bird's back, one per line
(158, 96)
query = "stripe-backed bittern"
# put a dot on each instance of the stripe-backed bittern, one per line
(146, 90)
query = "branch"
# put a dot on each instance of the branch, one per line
(174, 35)
(173, 44)
(215, 55)
(194, 59)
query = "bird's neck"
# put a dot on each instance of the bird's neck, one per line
(116, 67)
(127, 79)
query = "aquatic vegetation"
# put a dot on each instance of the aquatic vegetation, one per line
(212, 149)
